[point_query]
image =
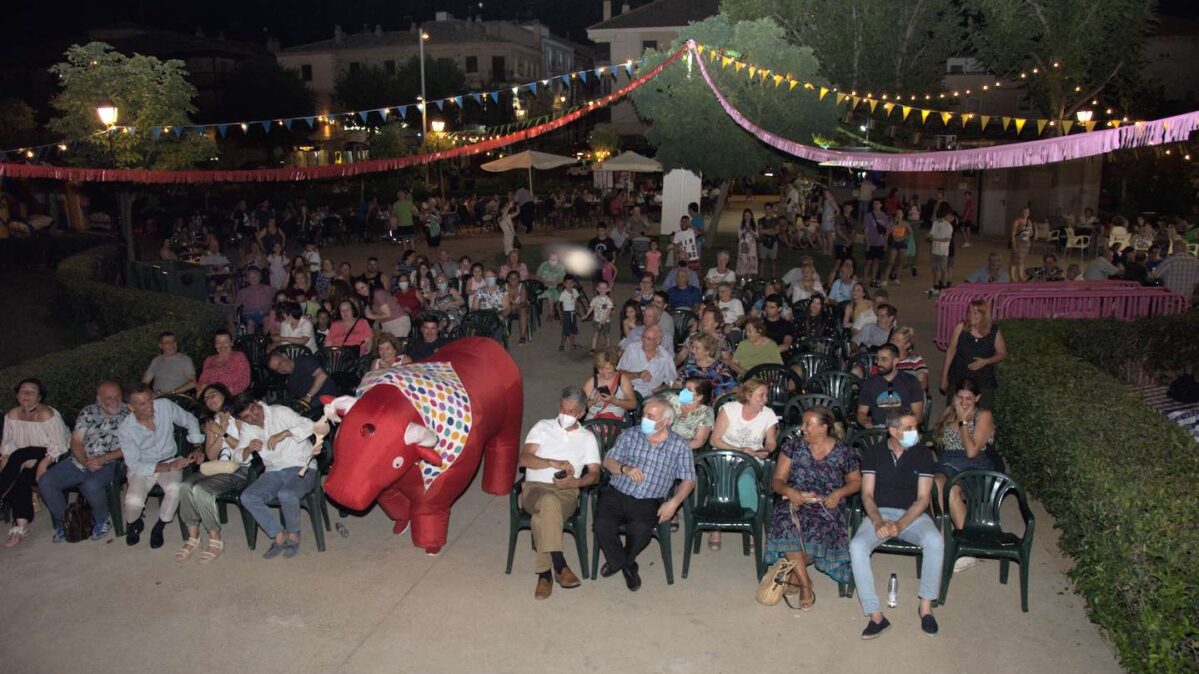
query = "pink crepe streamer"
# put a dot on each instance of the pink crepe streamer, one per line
(1032, 153)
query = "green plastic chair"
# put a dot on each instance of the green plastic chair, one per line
(533, 289)
(894, 546)
(841, 385)
(829, 346)
(685, 321)
(714, 505)
(484, 323)
(796, 406)
(112, 490)
(813, 364)
(781, 383)
(861, 438)
(983, 534)
(519, 520)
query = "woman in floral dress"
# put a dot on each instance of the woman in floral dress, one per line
(816, 473)
(747, 245)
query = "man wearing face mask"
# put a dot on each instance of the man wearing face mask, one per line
(889, 391)
(897, 482)
(644, 464)
(560, 457)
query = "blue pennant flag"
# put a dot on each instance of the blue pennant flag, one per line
(155, 132)
(363, 115)
(201, 130)
(311, 122)
(629, 67)
(458, 101)
(266, 125)
(288, 122)
(177, 130)
(403, 109)
(440, 105)
(495, 96)
(599, 73)
(533, 88)
(478, 98)
(221, 129)
(583, 74)
(566, 79)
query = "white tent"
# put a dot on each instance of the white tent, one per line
(632, 162)
(528, 160)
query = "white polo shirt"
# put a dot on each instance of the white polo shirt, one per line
(578, 446)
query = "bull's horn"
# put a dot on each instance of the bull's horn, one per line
(417, 434)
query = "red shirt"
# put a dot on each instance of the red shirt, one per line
(410, 300)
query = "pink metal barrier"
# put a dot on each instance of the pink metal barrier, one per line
(1124, 300)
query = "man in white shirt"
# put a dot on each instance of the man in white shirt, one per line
(685, 247)
(286, 452)
(1101, 268)
(560, 457)
(719, 274)
(147, 441)
(941, 234)
(649, 366)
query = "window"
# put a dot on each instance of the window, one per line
(472, 64)
(498, 69)
(389, 67)
(649, 44)
(306, 72)
(355, 66)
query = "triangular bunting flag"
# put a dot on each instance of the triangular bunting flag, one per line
(440, 105)
(533, 88)
(888, 107)
(363, 115)
(1007, 121)
(478, 98)
(793, 84)
(221, 129)
(266, 125)
(737, 66)
(854, 101)
(201, 130)
(965, 119)
(725, 61)
(1041, 125)
(1115, 123)
(177, 130)
(984, 120)
(495, 97)
(823, 93)
(945, 117)
(155, 132)
(311, 122)
(1066, 126)
(629, 68)
(841, 98)
(778, 79)
(566, 79)
(752, 71)
(1020, 124)
(924, 115)
(873, 104)
(599, 72)
(583, 75)
(1089, 126)
(458, 101)
(906, 111)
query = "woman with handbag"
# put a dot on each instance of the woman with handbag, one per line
(814, 476)
(350, 329)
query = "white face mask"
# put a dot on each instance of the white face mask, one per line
(566, 420)
(403, 285)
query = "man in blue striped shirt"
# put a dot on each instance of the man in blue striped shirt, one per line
(644, 465)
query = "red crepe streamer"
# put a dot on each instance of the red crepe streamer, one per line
(298, 173)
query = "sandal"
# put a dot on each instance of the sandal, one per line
(189, 546)
(713, 545)
(806, 606)
(15, 535)
(215, 548)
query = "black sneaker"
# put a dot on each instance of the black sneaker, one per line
(928, 625)
(873, 629)
(156, 540)
(133, 533)
(632, 579)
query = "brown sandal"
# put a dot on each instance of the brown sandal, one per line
(215, 548)
(185, 552)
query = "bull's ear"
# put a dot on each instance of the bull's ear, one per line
(417, 434)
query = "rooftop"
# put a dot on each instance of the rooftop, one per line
(661, 14)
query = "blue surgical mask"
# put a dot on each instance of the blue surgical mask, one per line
(909, 439)
(686, 396)
(648, 426)
(442, 286)
(490, 280)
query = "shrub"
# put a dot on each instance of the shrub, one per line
(46, 250)
(127, 321)
(1120, 479)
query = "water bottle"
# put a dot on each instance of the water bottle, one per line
(892, 592)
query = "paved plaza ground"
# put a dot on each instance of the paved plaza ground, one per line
(374, 603)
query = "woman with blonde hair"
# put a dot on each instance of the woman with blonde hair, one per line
(746, 425)
(976, 347)
(704, 361)
(609, 391)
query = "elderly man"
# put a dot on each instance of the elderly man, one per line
(1180, 272)
(306, 380)
(1103, 268)
(559, 457)
(147, 441)
(95, 457)
(891, 390)
(992, 273)
(719, 274)
(897, 483)
(684, 295)
(649, 366)
(651, 316)
(285, 453)
(644, 464)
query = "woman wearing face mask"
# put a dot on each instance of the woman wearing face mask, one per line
(447, 299)
(295, 328)
(693, 412)
(407, 296)
(490, 296)
(815, 475)
(609, 392)
(746, 425)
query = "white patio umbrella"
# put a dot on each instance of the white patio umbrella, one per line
(632, 162)
(528, 160)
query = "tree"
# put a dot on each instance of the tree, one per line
(1096, 46)
(17, 126)
(371, 87)
(603, 140)
(260, 88)
(868, 45)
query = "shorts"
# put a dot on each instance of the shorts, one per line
(901, 245)
(874, 253)
(940, 262)
(826, 226)
(404, 233)
(256, 317)
(953, 463)
(570, 327)
(843, 252)
(771, 253)
(603, 329)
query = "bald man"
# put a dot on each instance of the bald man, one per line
(648, 365)
(95, 454)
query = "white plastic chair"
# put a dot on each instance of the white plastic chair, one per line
(1079, 242)
(1040, 231)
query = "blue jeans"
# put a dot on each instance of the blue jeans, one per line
(66, 474)
(289, 488)
(922, 532)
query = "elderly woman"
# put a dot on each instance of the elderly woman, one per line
(551, 273)
(225, 446)
(975, 348)
(694, 417)
(814, 476)
(756, 349)
(746, 425)
(349, 329)
(447, 299)
(513, 264)
(807, 285)
(703, 361)
(389, 351)
(965, 436)
(387, 313)
(226, 366)
(34, 436)
(609, 391)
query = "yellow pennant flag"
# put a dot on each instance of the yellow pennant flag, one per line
(1007, 121)
(793, 84)
(1066, 126)
(1020, 122)
(855, 101)
(888, 107)
(1115, 123)
(699, 48)
(778, 79)
(924, 115)
(873, 104)
(725, 61)
(764, 72)
(809, 86)
(1089, 126)
(823, 92)
(906, 111)
(712, 56)
(984, 120)
(1041, 125)
(945, 117)
(965, 120)
(841, 98)
(752, 71)
(737, 66)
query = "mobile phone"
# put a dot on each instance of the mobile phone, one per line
(603, 390)
(560, 475)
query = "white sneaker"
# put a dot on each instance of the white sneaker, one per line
(963, 563)
(965, 244)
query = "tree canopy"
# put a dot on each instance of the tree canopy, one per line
(868, 45)
(262, 89)
(147, 92)
(688, 127)
(370, 87)
(17, 125)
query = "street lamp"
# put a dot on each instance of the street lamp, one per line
(437, 126)
(424, 110)
(1084, 116)
(107, 112)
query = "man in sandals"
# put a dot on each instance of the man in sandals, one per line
(554, 457)
(285, 452)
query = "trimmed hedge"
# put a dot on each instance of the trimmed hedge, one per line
(1152, 350)
(44, 251)
(127, 323)
(1121, 480)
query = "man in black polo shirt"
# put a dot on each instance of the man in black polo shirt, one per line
(780, 330)
(306, 380)
(430, 341)
(897, 482)
(889, 391)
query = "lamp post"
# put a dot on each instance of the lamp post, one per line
(437, 126)
(108, 113)
(1084, 116)
(424, 103)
